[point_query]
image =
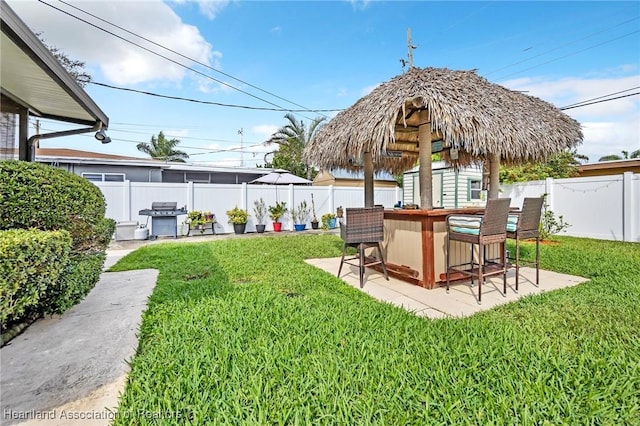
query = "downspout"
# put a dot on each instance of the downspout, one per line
(31, 152)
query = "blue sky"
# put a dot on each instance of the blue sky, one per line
(326, 55)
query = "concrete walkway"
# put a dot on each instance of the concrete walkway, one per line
(70, 369)
(462, 299)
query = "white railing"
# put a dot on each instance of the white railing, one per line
(125, 199)
(602, 207)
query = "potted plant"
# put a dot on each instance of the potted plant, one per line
(328, 221)
(300, 216)
(196, 220)
(314, 220)
(238, 217)
(260, 211)
(276, 211)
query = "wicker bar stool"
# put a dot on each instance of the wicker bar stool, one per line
(481, 230)
(363, 229)
(524, 225)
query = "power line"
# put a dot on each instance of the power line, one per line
(171, 60)
(600, 97)
(571, 54)
(207, 150)
(561, 46)
(601, 101)
(167, 134)
(144, 92)
(190, 59)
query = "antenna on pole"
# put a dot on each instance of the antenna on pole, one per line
(410, 48)
(241, 133)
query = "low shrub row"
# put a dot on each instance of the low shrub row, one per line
(31, 263)
(40, 197)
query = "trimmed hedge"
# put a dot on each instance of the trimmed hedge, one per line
(37, 196)
(30, 264)
(79, 276)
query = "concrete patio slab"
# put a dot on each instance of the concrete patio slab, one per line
(462, 299)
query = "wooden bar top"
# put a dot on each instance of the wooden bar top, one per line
(415, 214)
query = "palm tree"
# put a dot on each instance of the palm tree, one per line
(292, 139)
(163, 149)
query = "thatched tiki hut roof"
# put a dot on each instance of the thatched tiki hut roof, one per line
(457, 109)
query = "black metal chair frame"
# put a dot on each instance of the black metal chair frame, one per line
(528, 226)
(364, 229)
(492, 230)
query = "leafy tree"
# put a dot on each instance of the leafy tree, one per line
(625, 156)
(73, 66)
(162, 148)
(562, 165)
(291, 139)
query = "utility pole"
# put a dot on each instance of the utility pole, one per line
(36, 143)
(241, 133)
(410, 48)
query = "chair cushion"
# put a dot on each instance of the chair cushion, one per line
(465, 224)
(512, 222)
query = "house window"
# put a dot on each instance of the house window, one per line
(196, 177)
(474, 189)
(104, 177)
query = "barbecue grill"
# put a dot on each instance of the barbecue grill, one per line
(164, 222)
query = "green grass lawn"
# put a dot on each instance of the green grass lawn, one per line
(242, 331)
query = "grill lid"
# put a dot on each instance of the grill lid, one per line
(164, 205)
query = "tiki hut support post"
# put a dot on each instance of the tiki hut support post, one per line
(494, 176)
(425, 171)
(368, 179)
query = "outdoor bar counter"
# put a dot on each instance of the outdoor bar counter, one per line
(414, 245)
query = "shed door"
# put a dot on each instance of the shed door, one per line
(436, 186)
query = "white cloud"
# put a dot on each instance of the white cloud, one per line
(359, 4)
(365, 91)
(608, 127)
(121, 62)
(568, 91)
(264, 131)
(176, 133)
(211, 8)
(276, 30)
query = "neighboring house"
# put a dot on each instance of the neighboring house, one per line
(347, 178)
(117, 168)
(607, 168)
(451, 188)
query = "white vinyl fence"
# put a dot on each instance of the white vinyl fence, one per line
(602, 207)
(126, 199)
